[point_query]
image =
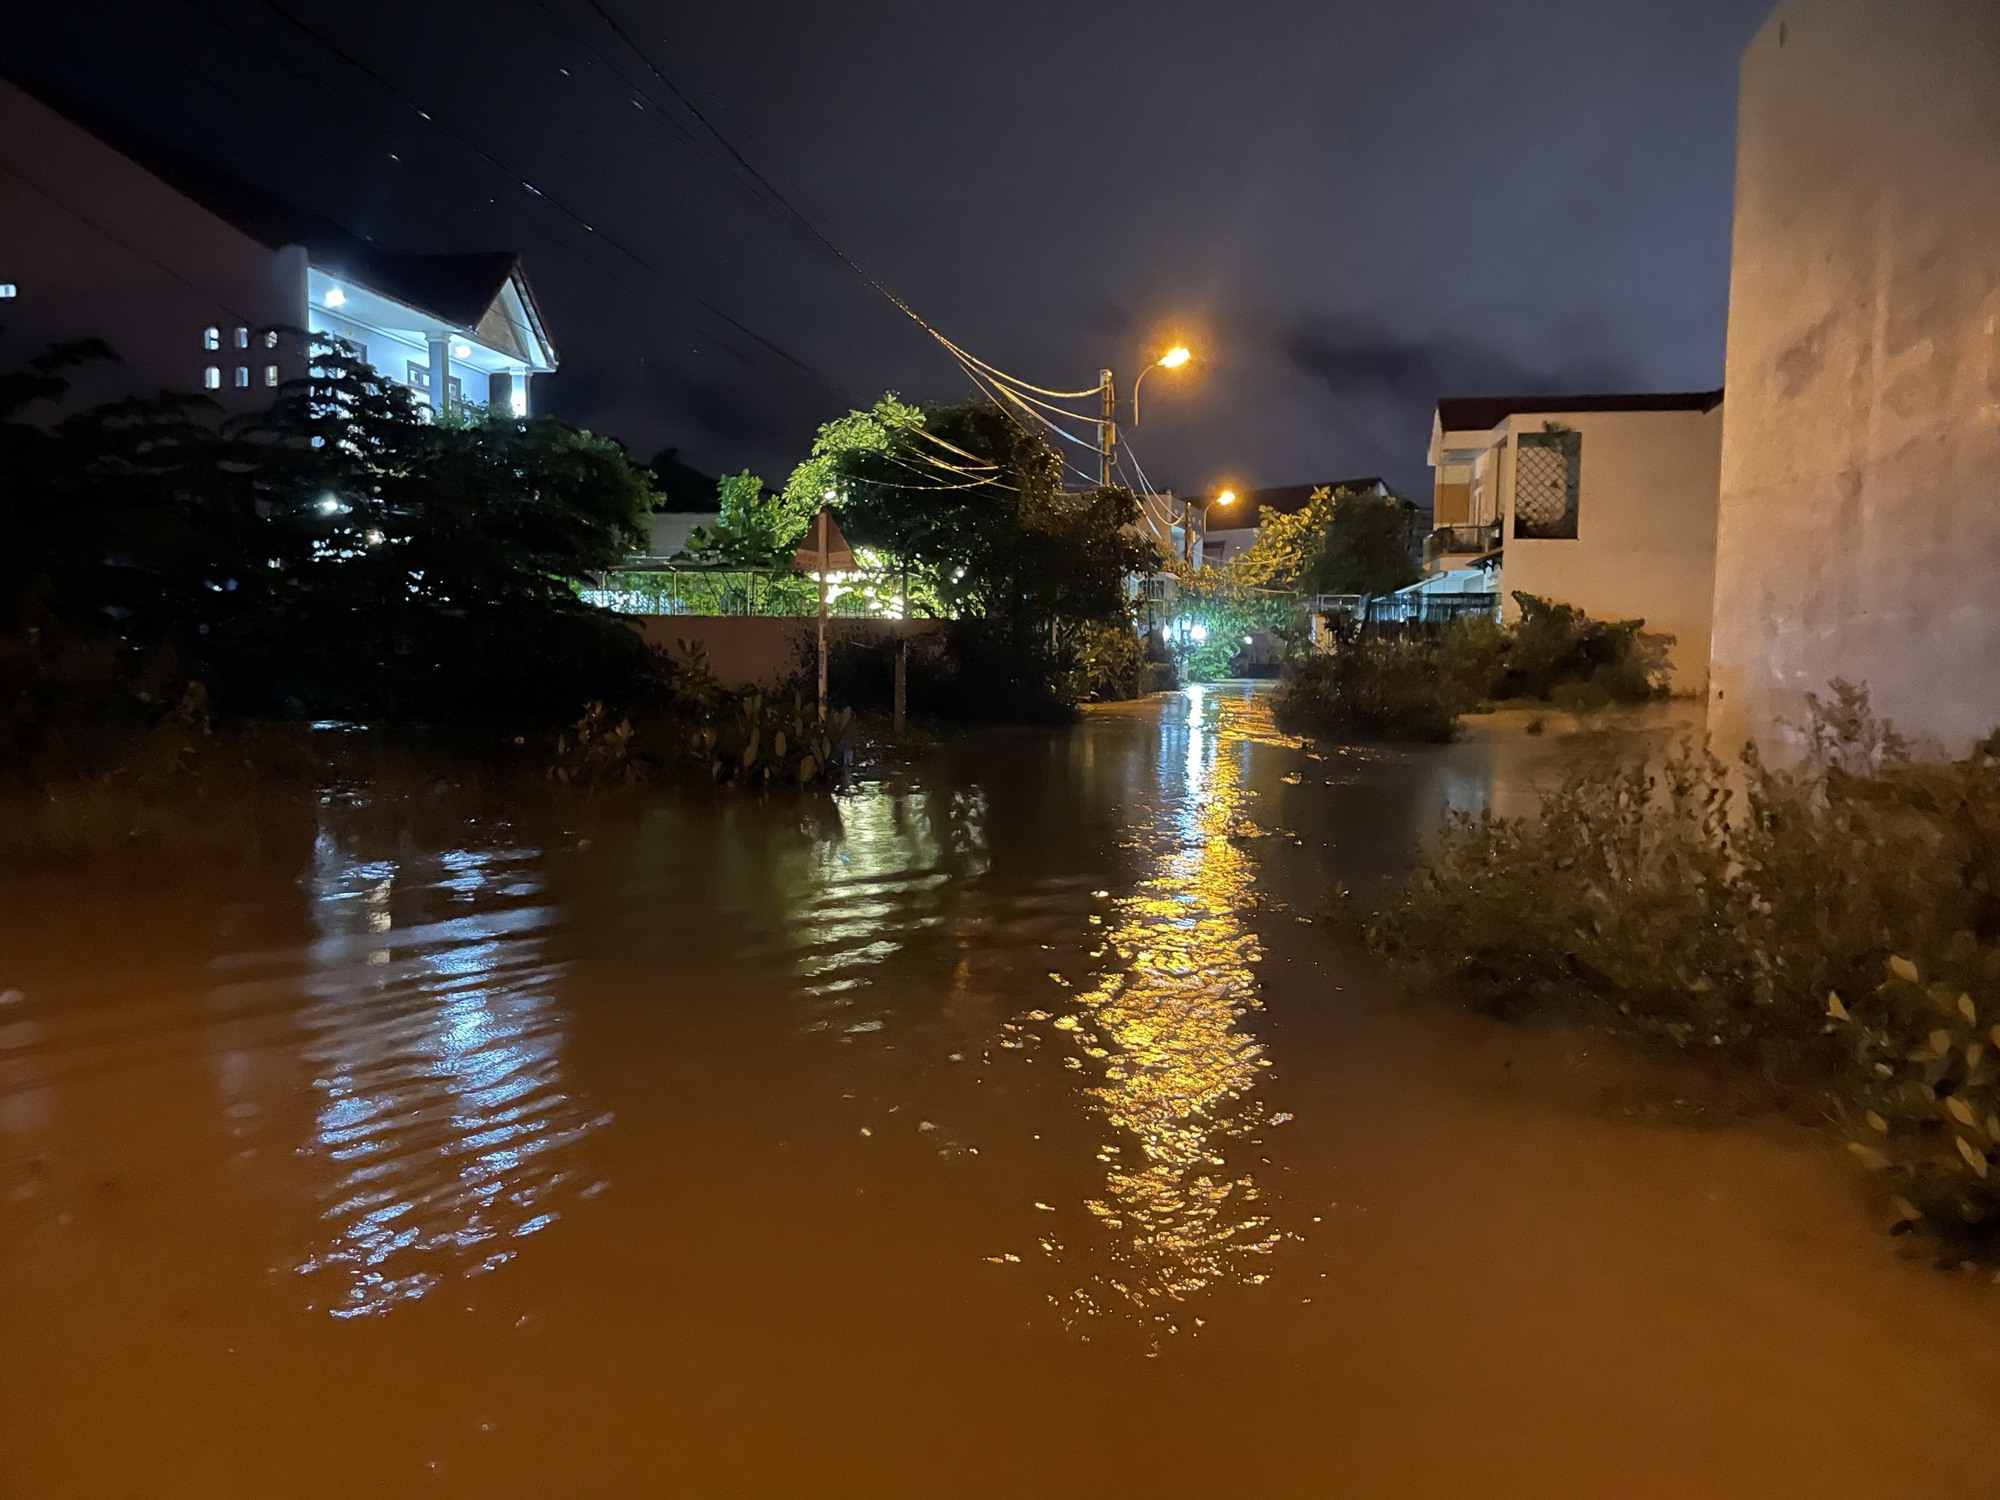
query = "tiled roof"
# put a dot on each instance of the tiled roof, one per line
(1482, 413)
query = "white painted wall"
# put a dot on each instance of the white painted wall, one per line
(1645, 535)
(1860, 517)
(98, 247)
(672, 528)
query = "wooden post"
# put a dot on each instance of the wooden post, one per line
(822, 612)
(903, 654)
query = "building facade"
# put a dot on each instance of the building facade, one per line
(200, 283)
(1605, 502)
(1860, 494)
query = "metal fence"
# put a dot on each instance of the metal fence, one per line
(1405, 611)
(1465, 539)
(666, 590)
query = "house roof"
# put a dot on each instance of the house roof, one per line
(1482, 413)
(457, 289)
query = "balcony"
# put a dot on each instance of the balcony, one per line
(1474, 539)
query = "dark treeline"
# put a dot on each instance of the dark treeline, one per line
(337, 555)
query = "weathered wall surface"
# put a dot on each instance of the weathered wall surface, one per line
(763, 651)
(96, 247)
(1645, 533)
(1860, 521)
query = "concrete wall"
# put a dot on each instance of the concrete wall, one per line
(761, 651)
(1860, 516)
(96, 247)
(1645, 528)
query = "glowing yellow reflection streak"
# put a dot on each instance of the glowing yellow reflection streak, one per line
(1167, 1029)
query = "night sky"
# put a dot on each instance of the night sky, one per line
(1347, 208)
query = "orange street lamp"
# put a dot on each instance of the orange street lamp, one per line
(1173, 359)
(1107, 423)
(1223, 497)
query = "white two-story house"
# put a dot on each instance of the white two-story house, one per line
(1606, 502)
(200, 282)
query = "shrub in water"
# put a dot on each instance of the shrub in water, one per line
(1644, 898)
(1370, 687)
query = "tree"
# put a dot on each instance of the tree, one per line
(749, 528)
(1370, 546)
(337, 554)
(1342, 542)
(973, 502)
(817, 481)
(970, 502)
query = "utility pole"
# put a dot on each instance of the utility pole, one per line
(1107, 428)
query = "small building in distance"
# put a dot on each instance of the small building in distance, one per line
(202, 283)
(1605, 502)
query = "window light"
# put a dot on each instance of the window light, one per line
(211, 378)
(270, 375)
(242, 377)
(211, 337)
(8, 289)
(271, 338)
(242, 337)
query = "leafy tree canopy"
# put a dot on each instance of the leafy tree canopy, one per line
(336, 554)
(817, 481)
(748, 530)
(972, 502)
(1342, 542)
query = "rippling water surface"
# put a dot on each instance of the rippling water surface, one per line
(1004, 1126)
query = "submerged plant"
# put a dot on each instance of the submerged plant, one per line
(1752, 916)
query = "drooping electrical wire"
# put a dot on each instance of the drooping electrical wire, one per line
(514, 175)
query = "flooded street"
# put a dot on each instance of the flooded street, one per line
(1000, 1127)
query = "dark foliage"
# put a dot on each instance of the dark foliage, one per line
(1036, 575)
(1835, 927)
(335, 556)
(1372, 688)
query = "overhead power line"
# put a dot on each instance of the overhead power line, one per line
(798, 216)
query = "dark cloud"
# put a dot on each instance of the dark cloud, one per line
(1352, 358)
(1349, 207)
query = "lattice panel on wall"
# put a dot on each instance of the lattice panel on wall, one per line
(1548, 473)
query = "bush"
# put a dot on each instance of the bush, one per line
(1556, 653)
(1371, 688)
(1843, 932)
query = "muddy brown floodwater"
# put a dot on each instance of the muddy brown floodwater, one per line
(997, 1128)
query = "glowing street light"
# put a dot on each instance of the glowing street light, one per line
(1173, 359)
(1222, 497)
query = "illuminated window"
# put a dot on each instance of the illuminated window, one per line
(242, 377)
(242, 338)
(8, 289)
(270, 375)
(211, 378)
(211, 337)
(271, 339)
